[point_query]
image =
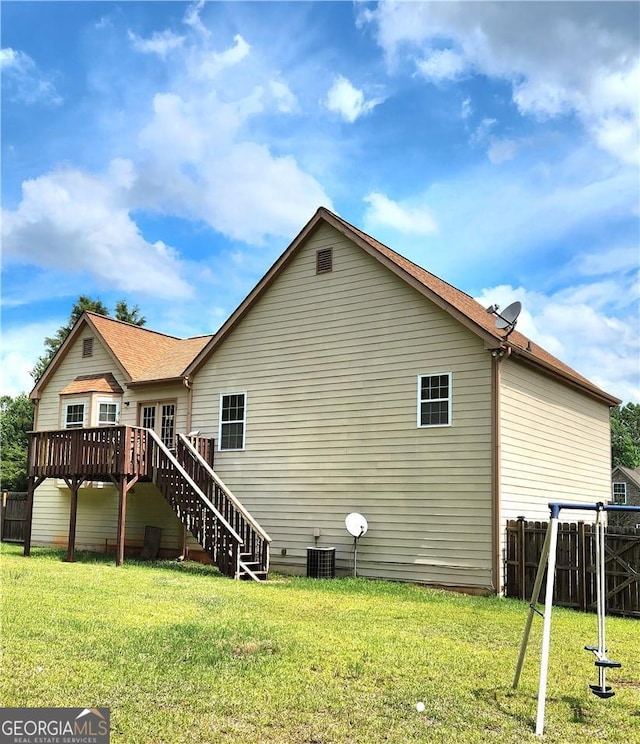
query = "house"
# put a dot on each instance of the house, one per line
(625, 491)
(349, 380)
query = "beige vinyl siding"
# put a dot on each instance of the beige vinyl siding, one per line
(330, 366)
(98, 506)
(556, 445)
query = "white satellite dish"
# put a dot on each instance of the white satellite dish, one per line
(356, 524)
(508, 317)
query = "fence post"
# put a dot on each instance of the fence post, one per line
(2, 511)
(582, 567)
(522, 558)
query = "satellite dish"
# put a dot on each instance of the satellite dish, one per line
(508, 317)
(356, 524)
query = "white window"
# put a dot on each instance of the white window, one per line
(108, 411)
(434, 399)
(233, 412)
(619, 493)
(74, 416)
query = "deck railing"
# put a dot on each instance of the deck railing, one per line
(194, 509)
(255, 541)
(99, 452)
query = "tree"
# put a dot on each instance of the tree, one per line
(16, 420)
(129, 316)
(625, 435)
(83, 303)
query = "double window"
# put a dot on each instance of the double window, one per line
(233, 413)
(434, 399)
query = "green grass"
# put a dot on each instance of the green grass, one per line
(181, 654)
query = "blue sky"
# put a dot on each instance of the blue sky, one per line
(166, 153)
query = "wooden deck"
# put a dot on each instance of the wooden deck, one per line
(124, 455)
(101, 453)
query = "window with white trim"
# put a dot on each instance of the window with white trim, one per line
(434, 399)
(108, 411)
(233, 411)
(620, 493)
(74, 416)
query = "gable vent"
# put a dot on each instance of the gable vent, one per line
(324, 260)
(87, 347)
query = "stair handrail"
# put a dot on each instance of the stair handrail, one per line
(197, 490)
(238, 505)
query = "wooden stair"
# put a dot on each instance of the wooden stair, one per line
(222, 526)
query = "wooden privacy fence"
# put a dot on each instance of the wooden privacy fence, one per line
(12, 517)
(575, 583)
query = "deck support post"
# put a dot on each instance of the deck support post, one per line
(124, 484)
(122, 518)
(33, 483)
(74, 486)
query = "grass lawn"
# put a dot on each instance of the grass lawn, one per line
(181, 654)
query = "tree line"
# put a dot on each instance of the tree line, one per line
(16, 413)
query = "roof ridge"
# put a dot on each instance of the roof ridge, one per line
(134, 326)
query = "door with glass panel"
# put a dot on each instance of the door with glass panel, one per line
(160, 417)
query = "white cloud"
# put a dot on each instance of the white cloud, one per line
(442, 64)
(21, 347)
(79, 223)
(210, 64)
(196, 159)
(23, 81)
(192, 19)
(161, 43)
(466, 109)
(285, 99)
(348, 101)
(582, 59)
(192, 156)
(501, 150)
(415, 219)
(616, 259)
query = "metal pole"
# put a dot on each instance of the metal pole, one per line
(546, 628)
(532, 606)
(600, 591)
(355, 557)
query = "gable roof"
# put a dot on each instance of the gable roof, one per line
(142, 355)
(632, 475)
(145, 355)
(458, 304)
(101, 383)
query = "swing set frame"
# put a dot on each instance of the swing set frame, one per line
(548, 563)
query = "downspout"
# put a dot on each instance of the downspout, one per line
(184, 551)
(497, 356)
(186, 381)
